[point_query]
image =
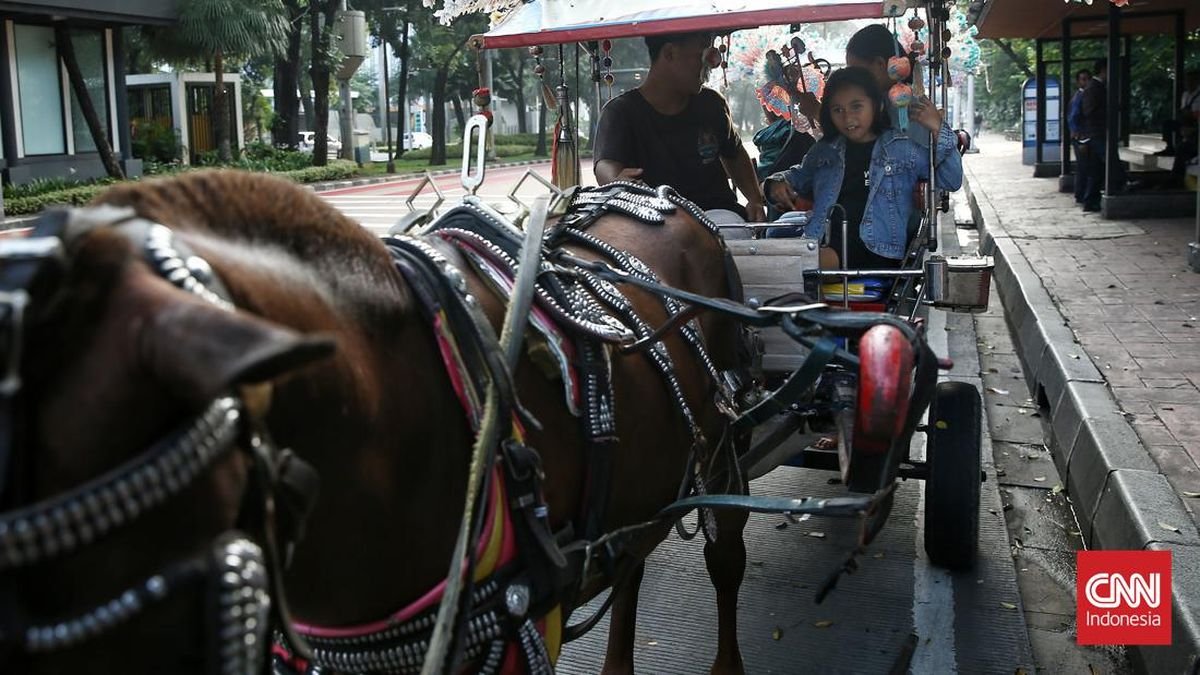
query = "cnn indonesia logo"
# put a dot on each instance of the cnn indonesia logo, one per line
(1123, 597)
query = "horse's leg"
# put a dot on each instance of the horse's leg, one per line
(726, 562)
(622, 622)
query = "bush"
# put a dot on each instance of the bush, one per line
(76, 196)
(40, 186)
(337, 169)
(82, 194)
(513, 150)
(155, 141)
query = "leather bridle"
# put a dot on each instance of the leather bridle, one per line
(242, 579)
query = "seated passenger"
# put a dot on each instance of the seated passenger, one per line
(770, 141)
(867, 168)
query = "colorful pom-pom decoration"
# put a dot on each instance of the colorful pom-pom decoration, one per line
(900, 95)
(899, 68)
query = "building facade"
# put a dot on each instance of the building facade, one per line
(42, 130)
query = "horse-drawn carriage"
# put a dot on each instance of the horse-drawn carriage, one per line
(535, 397)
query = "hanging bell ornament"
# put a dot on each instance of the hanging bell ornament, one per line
(916, 23)
(722, 47)
(606, 45)
(535, 50)
(607, 62)
(947, 35)
(917, 47)
(946, 52)
(609, 79)
(539, 70)
(725, 65)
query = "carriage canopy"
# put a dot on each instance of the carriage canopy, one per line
(547, 22)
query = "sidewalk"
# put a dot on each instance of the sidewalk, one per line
(1105, 315)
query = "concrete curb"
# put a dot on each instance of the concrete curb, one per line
(396, 177)
(1121, 499)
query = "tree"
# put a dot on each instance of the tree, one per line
(285, 128)
(323, 54)
(216, 30)
(442, 48)
(66, 52)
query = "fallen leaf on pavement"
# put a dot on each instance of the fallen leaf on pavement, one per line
(777, 633)
(1191, 494)
(1008, 605)
(941, 424)
(652, 643)
(1168, 527)
(1056, 489)
(999, 391)
(818, 535)
(1040, 479)
(824, 623)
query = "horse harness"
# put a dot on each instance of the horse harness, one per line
(578, 318)
(238, 576)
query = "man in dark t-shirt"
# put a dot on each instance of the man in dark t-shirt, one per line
(674, 131)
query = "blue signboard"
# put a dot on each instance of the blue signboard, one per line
(1050, 144)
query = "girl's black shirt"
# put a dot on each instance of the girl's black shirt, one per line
(856, 187)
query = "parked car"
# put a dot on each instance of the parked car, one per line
(308, 140)
(415, 140)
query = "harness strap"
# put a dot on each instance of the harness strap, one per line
(792, 390)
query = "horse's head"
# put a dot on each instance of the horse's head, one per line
(128, 444)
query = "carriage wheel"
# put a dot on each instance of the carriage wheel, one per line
(952, 486)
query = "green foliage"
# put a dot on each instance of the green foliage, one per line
(75, 196)
(39, 186)
(156, 141)
(242, 28)
(82, 194)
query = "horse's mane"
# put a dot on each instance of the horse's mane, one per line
(252, 207)
(261, 219)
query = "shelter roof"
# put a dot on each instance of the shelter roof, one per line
(1043, 18)
(546, 22)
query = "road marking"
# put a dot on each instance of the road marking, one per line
(933, 588)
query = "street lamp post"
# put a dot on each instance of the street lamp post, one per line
(387, 113)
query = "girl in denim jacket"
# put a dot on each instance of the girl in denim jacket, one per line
(868, 169)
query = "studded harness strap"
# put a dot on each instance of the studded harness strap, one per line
(238, 574)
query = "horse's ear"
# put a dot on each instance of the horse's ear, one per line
(199, 351)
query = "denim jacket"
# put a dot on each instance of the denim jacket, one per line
(897, 163)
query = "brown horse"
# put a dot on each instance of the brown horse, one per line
(125, 356)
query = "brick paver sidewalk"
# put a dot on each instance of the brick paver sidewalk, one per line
(1127, 294)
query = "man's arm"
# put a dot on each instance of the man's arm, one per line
(741, 170)
(608, 170)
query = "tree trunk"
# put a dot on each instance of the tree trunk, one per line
(437, 114)
(221, 110)
(540, 150)
(459, 115)
(66, 52)
(306, 100)
(402, 89)
(522, 122)
(320, 73)
(285, 128)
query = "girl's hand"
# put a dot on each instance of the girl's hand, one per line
(781, 195)
(924, 113)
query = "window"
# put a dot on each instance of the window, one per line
(89, 52)
(40, 90)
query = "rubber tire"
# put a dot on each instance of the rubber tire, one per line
(953, 485)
